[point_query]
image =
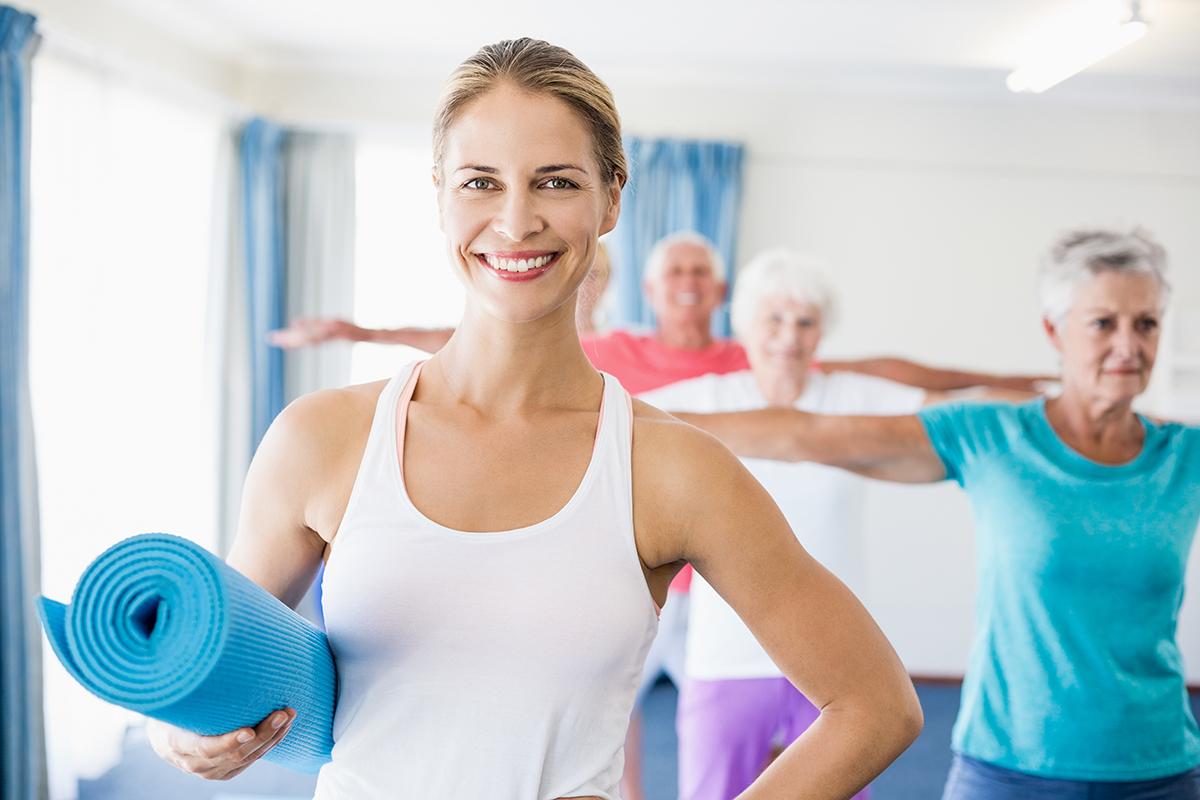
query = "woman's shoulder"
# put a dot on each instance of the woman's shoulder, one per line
(325, 421)
(674, 451)
(333, 406)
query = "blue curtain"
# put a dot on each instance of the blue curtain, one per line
(674, 186)
(22, 752)
(261, 165)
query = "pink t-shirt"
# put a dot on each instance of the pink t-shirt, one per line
(642, 363)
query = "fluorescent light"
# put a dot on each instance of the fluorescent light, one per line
(1074, 57)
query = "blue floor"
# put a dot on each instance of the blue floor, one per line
(916, 775)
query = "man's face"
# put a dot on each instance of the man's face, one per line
(686, 290)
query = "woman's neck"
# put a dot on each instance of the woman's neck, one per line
(503, 368)
(1103, 430)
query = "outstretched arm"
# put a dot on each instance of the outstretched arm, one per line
(889, 448)
(307, 331)
(934, 379)
(810, 624)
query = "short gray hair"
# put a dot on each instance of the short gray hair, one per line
(780, 272)
(657, 260)
(1080, 255)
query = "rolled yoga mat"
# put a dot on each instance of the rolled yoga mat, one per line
(160, 626)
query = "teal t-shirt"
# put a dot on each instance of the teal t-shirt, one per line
(1074, 671)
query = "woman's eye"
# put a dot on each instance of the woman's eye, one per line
(478, 183)
(1147, 324)
(559, 183)
(1102, 324)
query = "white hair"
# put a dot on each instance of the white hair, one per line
(1080, 255)
(656, 262)
(780, 273)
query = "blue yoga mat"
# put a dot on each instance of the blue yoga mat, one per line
(160, 626)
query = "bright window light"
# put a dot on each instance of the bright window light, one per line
(401, 277)
(122, 191)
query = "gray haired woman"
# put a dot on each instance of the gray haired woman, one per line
(1085, 513)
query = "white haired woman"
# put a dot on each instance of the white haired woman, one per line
(735, 706)
(1085, 513)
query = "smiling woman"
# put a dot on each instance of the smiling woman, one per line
(501, 522)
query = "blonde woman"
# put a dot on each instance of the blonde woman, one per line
(501, 521)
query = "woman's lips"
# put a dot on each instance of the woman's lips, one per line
(518, 266)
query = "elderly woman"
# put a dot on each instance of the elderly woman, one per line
(1085, 513)
(735, 705)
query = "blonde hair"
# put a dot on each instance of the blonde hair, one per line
(540, 68)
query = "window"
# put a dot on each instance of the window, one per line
(401, 275)
(122, 187)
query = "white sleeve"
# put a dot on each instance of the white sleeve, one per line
(692, 395)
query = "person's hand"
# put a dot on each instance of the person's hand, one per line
(218, 758)
(307, 331)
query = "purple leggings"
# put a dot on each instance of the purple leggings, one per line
(728, 729)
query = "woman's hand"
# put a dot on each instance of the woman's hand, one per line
(218, 758)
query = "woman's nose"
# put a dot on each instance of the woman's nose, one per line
(517, 218)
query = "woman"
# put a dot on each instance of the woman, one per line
(735, 706)
(495, 543)
(1085, 513)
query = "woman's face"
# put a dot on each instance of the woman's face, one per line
(521, 201)
(1109, 338)
(783, 338)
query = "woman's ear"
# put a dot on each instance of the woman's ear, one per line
(614, 206)
(437, 186)
(1052, 333)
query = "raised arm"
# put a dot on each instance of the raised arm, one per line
(306, 332)
(934, 379)
(888, 448)
(695, 501)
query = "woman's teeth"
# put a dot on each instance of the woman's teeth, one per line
(687, 298)
(518, 264)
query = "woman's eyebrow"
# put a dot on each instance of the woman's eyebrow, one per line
(559, 168)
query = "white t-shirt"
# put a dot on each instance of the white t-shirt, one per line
(822, 504)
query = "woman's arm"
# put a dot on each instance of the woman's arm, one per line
(305, 332)
(694, 501)
(888, 448)
(939, 380)
(286, 500)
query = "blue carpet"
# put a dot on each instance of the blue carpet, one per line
(916, 775)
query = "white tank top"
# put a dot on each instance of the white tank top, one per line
(499, 665)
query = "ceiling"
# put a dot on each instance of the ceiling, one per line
(762, 40)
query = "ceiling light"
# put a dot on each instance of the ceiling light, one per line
(1071, 57)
